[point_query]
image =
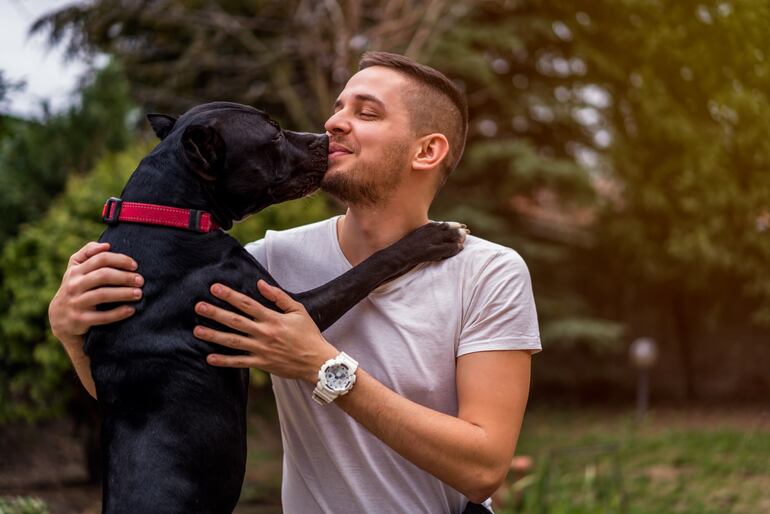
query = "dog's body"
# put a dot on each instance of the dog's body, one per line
(174, 427)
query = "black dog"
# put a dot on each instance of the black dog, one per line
(174, 427)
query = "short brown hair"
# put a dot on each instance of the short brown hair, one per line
(436, 104)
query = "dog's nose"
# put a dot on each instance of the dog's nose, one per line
(321, 143)
(307, 141)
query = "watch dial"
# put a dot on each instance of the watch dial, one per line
(337, 377)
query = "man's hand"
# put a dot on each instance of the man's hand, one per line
(471, 451)
(286, 344)
(93, 276)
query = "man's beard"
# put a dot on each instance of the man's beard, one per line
(369, 186)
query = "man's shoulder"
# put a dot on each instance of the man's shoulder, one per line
(480, 266)
(482, 253)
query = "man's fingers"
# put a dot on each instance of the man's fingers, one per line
(235, 341)
(95, 318)
(234, 361)
(108, 260)
(89, 250)
(108, 277)
(278, 296)
(96, 248)
(227, 318)
(108, 295)
(242, 302)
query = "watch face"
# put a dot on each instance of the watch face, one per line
(337, 377)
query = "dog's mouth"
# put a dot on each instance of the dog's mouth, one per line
(309, 167)
(297, 187)
(319, 156)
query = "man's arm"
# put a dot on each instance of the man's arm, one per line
(80, 361)
(470, 452)
(93, 276)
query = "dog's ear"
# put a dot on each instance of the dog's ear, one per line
(162, 124)
(205, 149)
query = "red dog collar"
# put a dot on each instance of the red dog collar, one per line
(116, 210)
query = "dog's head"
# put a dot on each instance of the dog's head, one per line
(244, 159)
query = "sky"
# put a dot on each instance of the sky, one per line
(45, 71)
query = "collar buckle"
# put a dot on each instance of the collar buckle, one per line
(194, 222)
(111, 211)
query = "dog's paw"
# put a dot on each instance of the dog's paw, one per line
(461, 229)
(439, 240)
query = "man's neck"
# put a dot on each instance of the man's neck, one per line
(364, 231)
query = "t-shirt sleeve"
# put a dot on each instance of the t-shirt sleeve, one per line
(258, 251)
(501, 313)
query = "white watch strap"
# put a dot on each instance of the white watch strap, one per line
(349, 361)
(322, 394)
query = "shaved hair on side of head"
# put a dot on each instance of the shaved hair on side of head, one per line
(435, 103)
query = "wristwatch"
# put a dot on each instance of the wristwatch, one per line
(335, 378)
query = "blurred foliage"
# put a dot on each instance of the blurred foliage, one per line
(522, 145)
(679, 105)
(22, 505)
(6, 86)
(601, 335)
(289, 57)
(635, 131)
(283, 216)
(33, 365)
(37, 156)
(687, 109)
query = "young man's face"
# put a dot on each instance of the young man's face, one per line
(369, 138)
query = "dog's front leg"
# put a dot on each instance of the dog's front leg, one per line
(431, 242)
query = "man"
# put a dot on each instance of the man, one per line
(430, 417)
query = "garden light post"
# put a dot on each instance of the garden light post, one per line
(644, 354)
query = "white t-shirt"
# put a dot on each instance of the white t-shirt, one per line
(407, 334)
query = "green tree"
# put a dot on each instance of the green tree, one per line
(665, 106)
(37, 156)
(287, 57)
(520, 182)
(7, 122)
(684, 106)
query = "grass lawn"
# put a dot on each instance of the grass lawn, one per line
(673, 462)
(676, 462)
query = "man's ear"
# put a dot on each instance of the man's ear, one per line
(430, 151)
(205, 150)
(162, 124)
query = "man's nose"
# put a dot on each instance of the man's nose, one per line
(337, 123)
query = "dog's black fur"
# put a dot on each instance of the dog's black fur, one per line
(174, 427)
